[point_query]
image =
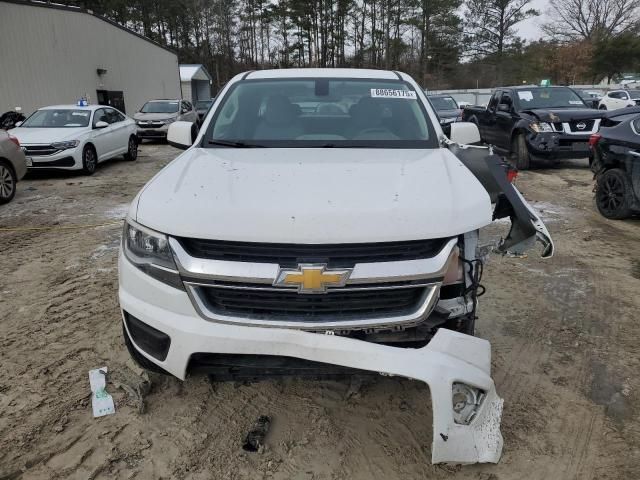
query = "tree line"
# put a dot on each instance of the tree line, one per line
(441, 43)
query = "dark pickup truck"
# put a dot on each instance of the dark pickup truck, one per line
(536, 123)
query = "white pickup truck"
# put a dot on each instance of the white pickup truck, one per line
(321, 220)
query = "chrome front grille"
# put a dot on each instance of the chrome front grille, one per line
(39, 150)
(150, 124)
(290, 255)
(377, 295)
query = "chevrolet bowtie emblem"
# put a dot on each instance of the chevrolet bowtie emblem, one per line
(312, 277)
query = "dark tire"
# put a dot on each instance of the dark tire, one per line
(8, 183)
(132, 149)
(602, 107)
(520, 153)
(89, 160)
(614, 195)
(141, 360)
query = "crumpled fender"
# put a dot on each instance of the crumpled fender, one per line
(526, 226)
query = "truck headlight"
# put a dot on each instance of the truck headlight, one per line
(150, 252)
(65, 145)
(540, 127)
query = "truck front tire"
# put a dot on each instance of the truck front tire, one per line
(520, 153)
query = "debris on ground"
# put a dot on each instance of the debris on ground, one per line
(255, 438)
(101, 401)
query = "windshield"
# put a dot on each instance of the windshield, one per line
(203, 104)
(549, 98)
(160, 107)
(325, 112)
(443, 103)
(59, 118)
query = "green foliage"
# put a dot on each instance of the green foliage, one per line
(616, 54)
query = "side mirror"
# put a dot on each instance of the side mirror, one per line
(180, 134)
(101, 125)
(464, 133)
(17, 124)
(504, 107)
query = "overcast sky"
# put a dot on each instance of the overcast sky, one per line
(530, 29)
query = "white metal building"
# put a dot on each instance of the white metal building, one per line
(196, 82)
(52, 54)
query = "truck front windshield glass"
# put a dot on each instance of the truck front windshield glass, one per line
(289, 113)
(533, 98)
(62, 118)
(160, 107)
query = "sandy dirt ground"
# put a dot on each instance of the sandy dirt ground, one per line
(564, 334)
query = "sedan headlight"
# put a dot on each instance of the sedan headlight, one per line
(150, 252)
(540, 127)
(65, 145)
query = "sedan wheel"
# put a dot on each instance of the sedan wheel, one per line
(7, 184)
(89, 160)
(132, 149)
(614, 195)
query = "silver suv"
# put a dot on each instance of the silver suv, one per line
(154, 117)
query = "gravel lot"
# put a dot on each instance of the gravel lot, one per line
(565, 356)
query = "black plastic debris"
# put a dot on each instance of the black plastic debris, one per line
(255, 438)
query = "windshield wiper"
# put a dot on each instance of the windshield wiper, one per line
(346, 145)
(230, 143)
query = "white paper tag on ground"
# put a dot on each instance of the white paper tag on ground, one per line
(101, 401)
(391, 93)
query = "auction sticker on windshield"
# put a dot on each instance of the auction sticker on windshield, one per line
(391, 93)
(525, 95)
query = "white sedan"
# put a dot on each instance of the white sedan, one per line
(71, 137)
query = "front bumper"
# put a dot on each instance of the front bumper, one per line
(449, 357)
(70, 159)
(160, 132)
(557, 146)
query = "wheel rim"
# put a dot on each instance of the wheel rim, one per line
(6, 182)
(89, 160)
(611, 194)
(133, 148)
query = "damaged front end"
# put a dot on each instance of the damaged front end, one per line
(457, 368)
(526, 226)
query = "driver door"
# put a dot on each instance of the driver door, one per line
(100, 136)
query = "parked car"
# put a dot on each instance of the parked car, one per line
(155, 116)
(13, 166)
(530, 123)
(447, 109)
(619, 99)
(9, 119)
(287, 239)
(202, 107)
(616, 164)
(590, 97)
(70, 137)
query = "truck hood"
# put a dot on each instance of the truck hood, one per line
(564, 114)
(47, 135)
(313, 196)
